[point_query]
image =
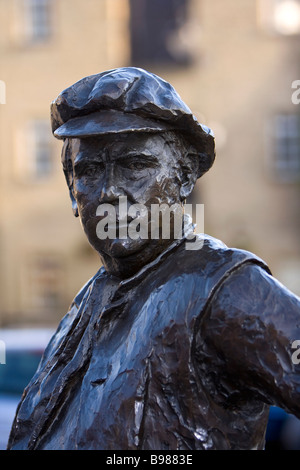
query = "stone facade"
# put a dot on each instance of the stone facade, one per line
(238, 82)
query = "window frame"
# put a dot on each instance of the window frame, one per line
(284, 147)
(39, 20)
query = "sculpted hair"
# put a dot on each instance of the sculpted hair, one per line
(187, 156)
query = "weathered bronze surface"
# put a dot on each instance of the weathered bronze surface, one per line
(166, 347)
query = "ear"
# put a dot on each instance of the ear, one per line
(189, 178)
(74, 203)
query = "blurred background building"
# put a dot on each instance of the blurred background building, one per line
(234, 64)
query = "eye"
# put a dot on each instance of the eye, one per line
(137, 164)
(91, 169)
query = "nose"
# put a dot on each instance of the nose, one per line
(110, 191)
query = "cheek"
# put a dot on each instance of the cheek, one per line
(87, 207)
(87, 186)
(165, 189)
(87, 193)
(171, 188)
(89, 221)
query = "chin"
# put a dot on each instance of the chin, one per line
(121, 248)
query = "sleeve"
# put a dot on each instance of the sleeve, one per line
(249, 331)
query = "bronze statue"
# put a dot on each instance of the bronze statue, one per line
(166, 347)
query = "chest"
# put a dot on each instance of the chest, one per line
(140, 363)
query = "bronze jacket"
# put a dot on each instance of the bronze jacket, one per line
(186, 354)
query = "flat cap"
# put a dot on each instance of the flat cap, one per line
(128, 99)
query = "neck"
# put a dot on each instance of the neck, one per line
(125, 266)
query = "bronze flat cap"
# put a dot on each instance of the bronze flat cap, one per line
(128, 99)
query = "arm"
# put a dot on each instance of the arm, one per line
(250, 327)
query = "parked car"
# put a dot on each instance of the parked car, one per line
(21, 350)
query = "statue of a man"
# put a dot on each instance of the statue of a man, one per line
(166, 347)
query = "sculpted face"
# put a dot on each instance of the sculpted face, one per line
(144, 168)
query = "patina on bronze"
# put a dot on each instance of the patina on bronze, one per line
(165, 347)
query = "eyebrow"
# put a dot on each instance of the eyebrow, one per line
(135, 154)
(83, 159)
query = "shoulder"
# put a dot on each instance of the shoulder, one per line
(251, 288)
(246, 284)
(211, 254)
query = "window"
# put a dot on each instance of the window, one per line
(279, 16)
(285, 149)
(39, 19)
(42, 151)
(44, 280)
(34, 151)
(156, 29)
